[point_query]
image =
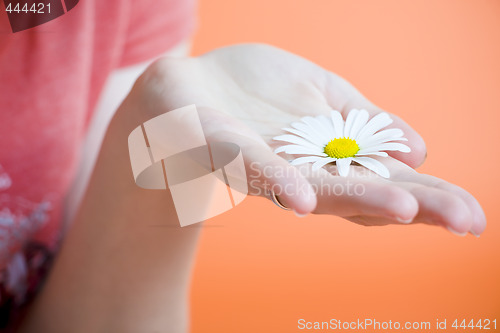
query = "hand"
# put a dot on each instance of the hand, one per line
(245, 94)
(406, 197)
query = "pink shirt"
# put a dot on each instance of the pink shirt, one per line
(50, 79)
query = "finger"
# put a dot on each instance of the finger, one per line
(370, 221)
(267, 171)
(478, 216)
(440, 207)
(349, 196)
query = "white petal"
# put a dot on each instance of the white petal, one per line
(306, 159)
(317, 126)
(359, 123)
(313, 138)
(298, 150)
(373, 165)
(324, 161)
(375, 153)
(295, 139)
(338, 123)
(304, 128)
(351, 117)
(378, 122)
(387, 146)
(327, 123)
(381, 137)
(343, 166)
(312, 132)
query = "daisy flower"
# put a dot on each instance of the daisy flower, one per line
(322, 140)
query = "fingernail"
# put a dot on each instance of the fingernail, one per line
(474, 234)
(461, 234)
(299, 215)
(403, 220)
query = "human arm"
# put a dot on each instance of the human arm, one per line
(125, 263)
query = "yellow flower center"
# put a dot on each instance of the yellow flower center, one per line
(341, 148)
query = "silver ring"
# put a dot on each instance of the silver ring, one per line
(276, 201)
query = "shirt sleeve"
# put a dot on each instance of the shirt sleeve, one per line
(156, 26)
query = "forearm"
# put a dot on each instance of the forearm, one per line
(125, 262)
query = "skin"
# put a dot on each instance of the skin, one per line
(125, 264)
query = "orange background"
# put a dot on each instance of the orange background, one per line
(436, 63)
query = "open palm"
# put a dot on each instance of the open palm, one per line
(246, 94)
